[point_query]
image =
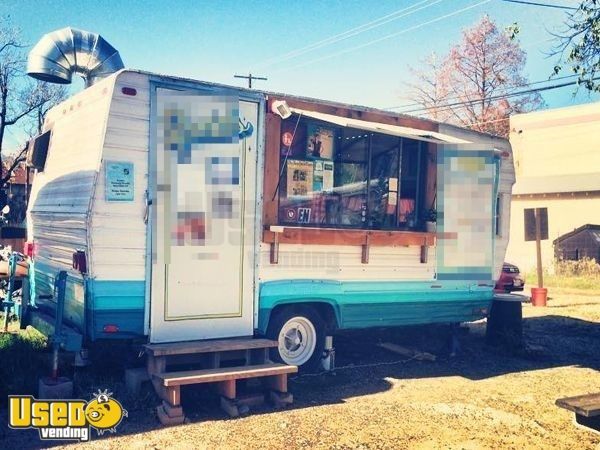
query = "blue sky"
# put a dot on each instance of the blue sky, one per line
(212, 40)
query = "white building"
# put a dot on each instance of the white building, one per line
(557, 163)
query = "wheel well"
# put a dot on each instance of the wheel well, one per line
(325, 310)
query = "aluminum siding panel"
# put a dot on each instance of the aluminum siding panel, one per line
(118, 230)
(61, 194)
(337, 262)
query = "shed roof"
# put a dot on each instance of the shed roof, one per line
(584, 182)
(594, 230)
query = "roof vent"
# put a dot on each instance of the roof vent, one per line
(63, 52)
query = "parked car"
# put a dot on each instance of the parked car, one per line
(510, 279)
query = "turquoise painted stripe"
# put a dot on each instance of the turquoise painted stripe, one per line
(42, 276)
(111, 295)
(91, 304)
(414, 313)
(115, 302)
(362, 304)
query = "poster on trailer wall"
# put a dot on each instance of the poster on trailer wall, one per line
(323, 176)
(320, 142)
(299, 178)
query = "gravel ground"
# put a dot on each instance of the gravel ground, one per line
(482, 398)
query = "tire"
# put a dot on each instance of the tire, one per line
(300, 333)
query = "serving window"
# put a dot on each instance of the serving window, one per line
(339, 177)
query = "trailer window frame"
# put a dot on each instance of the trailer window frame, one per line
(383, 196)
(39, 145)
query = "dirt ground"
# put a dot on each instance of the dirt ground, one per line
(483, 398)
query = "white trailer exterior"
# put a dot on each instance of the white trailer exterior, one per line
(140, 283)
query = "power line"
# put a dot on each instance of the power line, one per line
(389, 36)
(349, 33)
(497, 97)
(458, 96)
(494, 97)
(545, 5)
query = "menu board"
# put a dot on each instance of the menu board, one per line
(119, 181)
(299, 178)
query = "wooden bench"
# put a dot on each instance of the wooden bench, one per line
(225, 378)
(586, 409)
(254, 352)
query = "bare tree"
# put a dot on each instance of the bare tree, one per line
(23, 102)
(479, 81)
(44, 96)
(430, 91)
(579, 45)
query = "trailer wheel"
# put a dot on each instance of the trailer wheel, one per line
(300, 334)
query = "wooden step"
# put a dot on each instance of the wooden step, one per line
(585, 405)
(210, 346)
(223, 374)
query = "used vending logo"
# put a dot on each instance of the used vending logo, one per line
(66, 419)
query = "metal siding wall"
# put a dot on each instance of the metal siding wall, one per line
(61, 194)
(344, 263)
(118, 229)
(507, 179)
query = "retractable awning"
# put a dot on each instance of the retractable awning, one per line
(393, 130)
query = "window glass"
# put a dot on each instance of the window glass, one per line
(339, 177)
(349, 206)
(383, 182)
(409, 183)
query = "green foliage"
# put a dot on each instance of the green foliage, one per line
(23, 361)
(585, 267)
(26, 358)
(430, 215)
(583, 274)
(579, 45)
(513, 30)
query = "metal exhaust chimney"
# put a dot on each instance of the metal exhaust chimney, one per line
(66, 51)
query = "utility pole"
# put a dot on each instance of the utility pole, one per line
(250, 77)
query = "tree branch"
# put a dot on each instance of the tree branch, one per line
(18, 160)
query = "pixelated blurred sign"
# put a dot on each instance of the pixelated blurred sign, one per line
(119, 181)
(530, 223)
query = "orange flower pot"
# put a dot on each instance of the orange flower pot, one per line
(539, 296)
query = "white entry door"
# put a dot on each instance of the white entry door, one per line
(203, 216)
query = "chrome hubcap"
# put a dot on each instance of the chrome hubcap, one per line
(297, 340)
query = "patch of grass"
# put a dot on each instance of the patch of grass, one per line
(565, 282)
(22, 360)
(25, 358)
(580, 275)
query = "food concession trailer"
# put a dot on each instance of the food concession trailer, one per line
(184, 210)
